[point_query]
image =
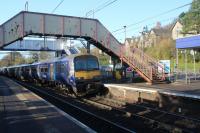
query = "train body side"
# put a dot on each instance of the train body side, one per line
(79, 72)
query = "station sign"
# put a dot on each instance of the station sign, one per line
(166, 65)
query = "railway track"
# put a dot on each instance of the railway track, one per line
(94, 121)
(124, 116)
(121, 104)
(159, 117)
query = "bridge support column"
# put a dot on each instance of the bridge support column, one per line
(60, 53)
(114, 61)
(124, 66)
(88, 47)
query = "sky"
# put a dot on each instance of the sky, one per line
(113, 17)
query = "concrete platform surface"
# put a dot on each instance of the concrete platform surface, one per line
(191, 90)
(21, 111)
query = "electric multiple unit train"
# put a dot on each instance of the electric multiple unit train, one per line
(79, 73)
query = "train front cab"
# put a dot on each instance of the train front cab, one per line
(87, 74)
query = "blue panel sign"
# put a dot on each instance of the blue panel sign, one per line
(188, 42)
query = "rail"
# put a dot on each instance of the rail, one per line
(57, 100)
(164, 119)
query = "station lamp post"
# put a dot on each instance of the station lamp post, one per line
(124, 42)
(186, 73)
(194, 52)
(125, 33)
(176, 66)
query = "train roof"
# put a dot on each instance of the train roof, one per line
(21, 65)
(64, 58)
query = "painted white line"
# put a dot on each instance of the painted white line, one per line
(180, 94)
(21, 97)
(131, 88)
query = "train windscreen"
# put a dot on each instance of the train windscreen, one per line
(86, 63)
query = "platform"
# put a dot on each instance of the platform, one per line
(21, 111)
(152, 92)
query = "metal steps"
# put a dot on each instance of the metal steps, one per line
(148, 68)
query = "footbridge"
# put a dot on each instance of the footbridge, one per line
(26, 24)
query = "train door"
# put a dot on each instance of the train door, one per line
(51, 71)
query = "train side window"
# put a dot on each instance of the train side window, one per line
(63, 67)
(41, 69)
(58, 67)
(27, 69)
(33, 69)
(45, 69)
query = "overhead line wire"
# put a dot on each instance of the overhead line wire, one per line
(97, 10)
(158, 15)
(57, 6)
(151, 24)
(102, 6)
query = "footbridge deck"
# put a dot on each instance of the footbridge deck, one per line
(39, 24)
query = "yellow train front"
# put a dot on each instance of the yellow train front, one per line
(87, 74)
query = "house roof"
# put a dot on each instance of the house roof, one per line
(161, 31)
(173, 24)
(129, 40)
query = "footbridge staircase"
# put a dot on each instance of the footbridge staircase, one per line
(39, 24)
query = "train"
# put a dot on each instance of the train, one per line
(78, 73)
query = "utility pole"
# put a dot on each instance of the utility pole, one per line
(142, 42)
(143, 36)
(144, 31)
(127, 52)
(125, 40)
